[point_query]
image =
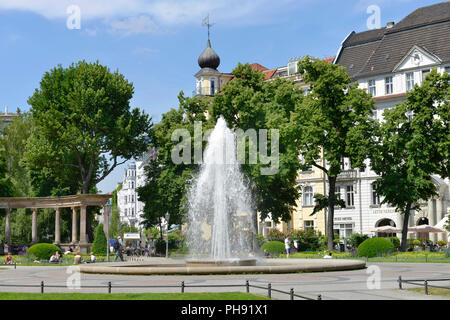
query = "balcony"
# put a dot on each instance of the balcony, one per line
(346, 175)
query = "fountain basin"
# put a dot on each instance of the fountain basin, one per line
(220, 263)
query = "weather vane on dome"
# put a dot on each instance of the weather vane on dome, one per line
(205, 22)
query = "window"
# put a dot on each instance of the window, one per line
(308, 196)
(389, 85)
(308, 225)
(375, 196)
(213, 87)
(126, 211)
(344, 230)
(292, 67)
(409, 81)
(425, 73)
(372, 88)
(350, 197)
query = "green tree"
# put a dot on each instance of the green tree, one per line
(413, 145)
(333, 123)
(167, 182)
(100, 245)
(83, 119)
(250, 103)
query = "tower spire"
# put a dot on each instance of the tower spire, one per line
(205, 22)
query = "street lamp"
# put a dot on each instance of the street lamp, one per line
(107, 211)
(167, 233)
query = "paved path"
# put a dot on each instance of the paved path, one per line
(338, 285)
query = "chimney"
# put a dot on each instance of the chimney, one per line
(390, 24)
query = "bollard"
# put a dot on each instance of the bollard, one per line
(182, 286)
(400, 282)
(247, 285)
(42, 286)
(319, 297)
(15, 265)
(426, 287)
(269, 291)
(292, 293)
(109, 287)
(426, 258)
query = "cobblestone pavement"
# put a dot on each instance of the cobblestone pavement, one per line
(339, 285)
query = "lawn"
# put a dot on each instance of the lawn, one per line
(132, 296)
(409, 257)
(433, 291)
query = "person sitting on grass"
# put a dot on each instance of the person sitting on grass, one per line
(328, 256)
(9, 258)
(55, 257)
(93, 258)
(78, 258)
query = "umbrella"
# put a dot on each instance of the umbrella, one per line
(425, 228)
(384, 229)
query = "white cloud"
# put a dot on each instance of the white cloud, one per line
(161, 12)
(133, 25)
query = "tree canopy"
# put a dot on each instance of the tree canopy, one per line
(333, 123)
(84, 122)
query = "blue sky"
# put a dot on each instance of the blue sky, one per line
(156, 43)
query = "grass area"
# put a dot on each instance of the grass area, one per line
(433, 291)
(132, 296)
(409, 257)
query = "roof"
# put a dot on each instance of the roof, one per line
(380, 51)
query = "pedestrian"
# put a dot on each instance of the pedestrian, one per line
(118, 249)
(287, 245)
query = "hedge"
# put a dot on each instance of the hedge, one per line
(274, 247)
(43, 251)
(374, 246)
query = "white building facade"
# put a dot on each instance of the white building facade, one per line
(388, 62)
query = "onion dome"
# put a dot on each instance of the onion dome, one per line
(209, 58)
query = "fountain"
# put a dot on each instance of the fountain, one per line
(219, 221)
(220, 228)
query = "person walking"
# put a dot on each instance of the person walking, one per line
(287, 245)
(118, 249)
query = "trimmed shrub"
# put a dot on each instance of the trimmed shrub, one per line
(274, 247)
(99, 245)
(442, 243)
(43, 251)
(308, 240)
(374, 246)
(356, 239)
(395, 241)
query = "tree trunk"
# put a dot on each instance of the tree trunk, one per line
(330, 220)
(406, 214)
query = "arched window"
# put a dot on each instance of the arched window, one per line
(212, 87)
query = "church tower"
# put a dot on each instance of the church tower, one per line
(209, 80)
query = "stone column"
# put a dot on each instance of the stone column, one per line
(440, 214)
(34, 226)
(432, 217)
(74, 225)
(83, 238)
(8, 227)
(57, 226)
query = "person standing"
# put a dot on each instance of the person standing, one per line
(118, 249)
(287, 245)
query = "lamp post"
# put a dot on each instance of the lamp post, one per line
(167, 234)
(107, 209)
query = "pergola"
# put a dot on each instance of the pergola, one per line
(77, 202)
